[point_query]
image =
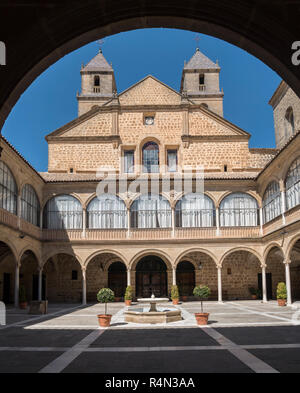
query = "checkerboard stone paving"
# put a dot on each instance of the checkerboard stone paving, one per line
(242, 337)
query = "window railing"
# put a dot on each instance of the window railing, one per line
(202, 87)
(109, 219)
(195, 218)
(96, 89)
(239, 217)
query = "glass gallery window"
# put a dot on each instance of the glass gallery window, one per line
(172, 160)
(150, 157)
(195, 211)
(30, 206)
(239, 209)
(128, 161)
(8, 189)
(107, 211)
(292, 185)
(151, 211)
(63, 212)
(272, 202)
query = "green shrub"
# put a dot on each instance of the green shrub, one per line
(281, 291)
(174, 292)
(105, 295)
(22, 294)
(255, 291)
(203, 292)
(128, 293)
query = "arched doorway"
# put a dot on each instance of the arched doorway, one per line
(185, 278)
(63, 279)
(117, 278)
(295, 271)
(7, 273)
(275, 271)
(29, 276)
(151, 277)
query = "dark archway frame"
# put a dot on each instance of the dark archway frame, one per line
(38, 35)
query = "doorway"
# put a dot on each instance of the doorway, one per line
(151, 277)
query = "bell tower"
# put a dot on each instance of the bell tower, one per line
(200, 82)
(98, 83)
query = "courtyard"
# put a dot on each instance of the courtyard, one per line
(242, 337)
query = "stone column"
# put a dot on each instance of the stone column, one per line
(287, 263)
(41, 219)
(17, 284)
(261, 221)
(283, 201)
(19, 210)
(128, 222)
(220, 297)
(128, 277)
(218, 221)
(84, 223)
(173, 221)
(264, 283)
(40, 283)
(174, 275)
(83, 268)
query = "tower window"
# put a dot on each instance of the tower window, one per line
(96, 81)
(201, 82)
(225, 168)
(289, 122)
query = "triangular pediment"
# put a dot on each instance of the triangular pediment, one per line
(205, 123)
(150, 91)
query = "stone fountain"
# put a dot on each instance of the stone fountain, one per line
(153, 315)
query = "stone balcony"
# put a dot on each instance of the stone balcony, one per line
(156, 234)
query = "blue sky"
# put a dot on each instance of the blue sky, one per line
(50, 101)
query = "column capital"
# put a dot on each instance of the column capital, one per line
(287, 261)
(83, 269)
(219, 265)
(263, 266)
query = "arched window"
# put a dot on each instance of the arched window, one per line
(239, 210)
(30, 206)
(195, 210)
(107, 211)
(292, 185)
(96, 81)
(151, 211)
(8, 189)
(63, 212)
(289, 124)
(272, 202)
(150, 157)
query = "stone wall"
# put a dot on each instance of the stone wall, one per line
(287, 100)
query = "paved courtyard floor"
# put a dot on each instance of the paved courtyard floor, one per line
(242, 337)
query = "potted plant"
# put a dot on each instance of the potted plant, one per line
(128, 296)
(22, 298)
(175, 294)
(253, 292)
(281, 294)
(202, 292)
(105, 295)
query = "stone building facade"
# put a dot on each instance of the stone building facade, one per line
(63, 239)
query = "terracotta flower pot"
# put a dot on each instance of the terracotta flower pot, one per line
(104, 320)
(281, 302)
(128, 302)
(23, 305)
(117, 299)
(184, 298)
(253, 297)
(175, 301)
(201, 318)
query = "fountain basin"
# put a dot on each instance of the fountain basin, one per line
(153, 317)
